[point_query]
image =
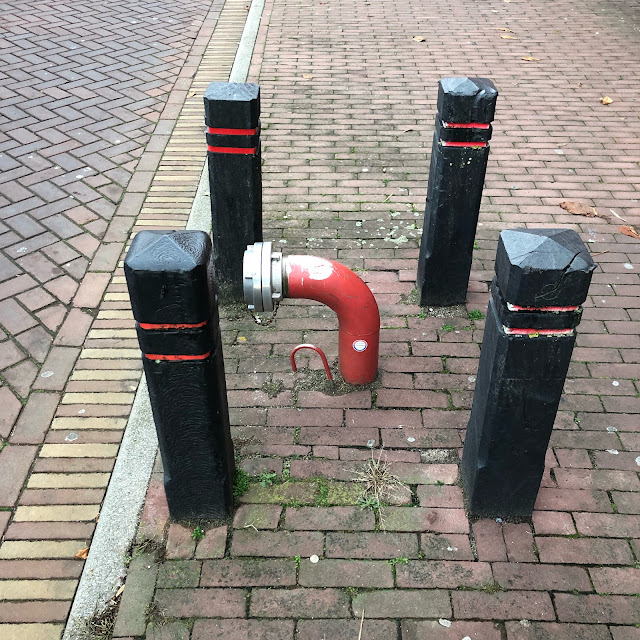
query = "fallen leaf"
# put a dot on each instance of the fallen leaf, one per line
(419, 38)
(241, 339)
(82, 554)
(507, 0)
(629, 231)
(580, 209)
(307, 76)
(606, 100)
(119, 591)
(505, 29)
(508, 38)
(530, 59)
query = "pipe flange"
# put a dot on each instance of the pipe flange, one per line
(262, 277)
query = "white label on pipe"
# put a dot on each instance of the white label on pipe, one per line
(321, 270)
(360, 345)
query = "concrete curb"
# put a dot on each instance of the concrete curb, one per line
(105, 568)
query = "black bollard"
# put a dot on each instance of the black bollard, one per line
(542, 278)
(170, 278)
(232, 112)
(459, 154)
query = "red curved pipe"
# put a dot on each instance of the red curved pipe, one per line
(318, 350)
(342, 290)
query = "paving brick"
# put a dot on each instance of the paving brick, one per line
(540, 577)
(179, 574)
(37, 631)
(419, 629)
(625, 633)
(75, 329)
(299, 603)
(330, 519)
(202, 603)
(614, 580)
(257, 515)
(248, 572)
(510, 605)
(607, 525)
(180, 544)
(490, 544)
(550, 499)
(14, 318)
(243, 629)
(15, 463)
(366, 545)
(36, 343)
(626, 502)
(214, 543)
(440, 496)
(37, 569)
(247, 542)
(443, 575)
(583, 551)
(422, 519)
(347, 629)
(525, 630)
(597, 609)
(57, 368)
(553, 523)
(10, 354)
(51, 611)
(35, 418)
(11, 408)
(400, 603)
(346, 573)
(518, 540)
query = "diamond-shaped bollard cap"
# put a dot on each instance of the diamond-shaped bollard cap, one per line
(232, 105)
(167, 277)
(467, 100)
(543, 267)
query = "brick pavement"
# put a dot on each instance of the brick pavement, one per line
(348, 106)
(100, 135)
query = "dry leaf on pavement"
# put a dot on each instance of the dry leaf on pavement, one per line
(580, 209)
(82, 554)
(530, 59)
(307, 76)
(508, 37)
(606, 100)
(419, 38)
(629, 231)
(505, 29)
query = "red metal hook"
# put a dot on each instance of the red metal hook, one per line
(317, 350)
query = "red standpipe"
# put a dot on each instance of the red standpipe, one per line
(343, 291)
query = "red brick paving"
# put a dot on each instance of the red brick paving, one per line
(348, 101)
(348, 107)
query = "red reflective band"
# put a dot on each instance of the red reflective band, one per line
(246, 151)
(232, 132)
(537, 332)
(465, 125)
(515, 307)
(146, 325)
(463, 144)
(155, 356)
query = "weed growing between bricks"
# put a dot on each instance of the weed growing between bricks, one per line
(316, 380)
